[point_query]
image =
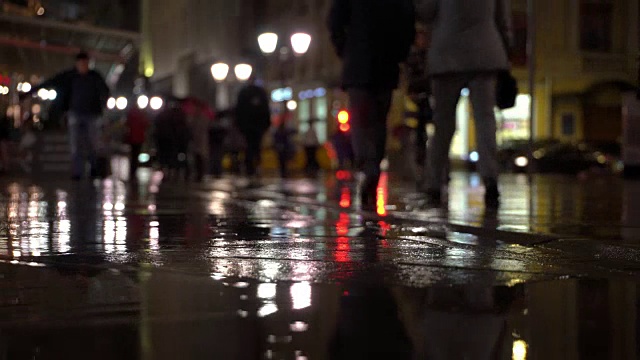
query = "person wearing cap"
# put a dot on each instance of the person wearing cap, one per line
(84, 94)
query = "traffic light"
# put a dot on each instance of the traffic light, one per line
(343, 119)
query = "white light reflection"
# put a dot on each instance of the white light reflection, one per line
(299, 326)
(301, 295)
(241, 285)
(267, 309)
(270, 269)
(267, 291)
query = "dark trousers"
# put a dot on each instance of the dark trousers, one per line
(283, 159)
(133, 160)
(312, 161)
(216, 155)
(252, 153)
(425, 116)
(198, 164)
(369, 110)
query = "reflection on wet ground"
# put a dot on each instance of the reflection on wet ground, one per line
(156, 314)
(287, 270)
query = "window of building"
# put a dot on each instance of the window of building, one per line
(596, 25)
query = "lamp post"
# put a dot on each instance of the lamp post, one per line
(300, 43)
(220, 73)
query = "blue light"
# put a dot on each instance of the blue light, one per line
(320, 92)
(474, 156)
(144, 158)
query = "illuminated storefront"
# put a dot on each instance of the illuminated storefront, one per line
(512, 124)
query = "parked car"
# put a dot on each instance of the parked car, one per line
(551, 156)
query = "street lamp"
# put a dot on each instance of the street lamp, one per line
(300, 42)
(268, 42)
(219, 71)
(243, 72)
(143, 101)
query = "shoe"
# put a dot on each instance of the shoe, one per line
(492, 195)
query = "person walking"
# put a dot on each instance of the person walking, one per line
(136, 125)
(5, 137)
(84, 95)
(469, 46)
(372, 38)
(253, 119)
(283, 143)
(199, 125)
(311, 144)
(419, 91)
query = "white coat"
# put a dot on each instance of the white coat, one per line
(467, 35)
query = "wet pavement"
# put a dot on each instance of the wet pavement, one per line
(228, 269)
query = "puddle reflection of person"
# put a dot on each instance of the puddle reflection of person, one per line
(468, 322)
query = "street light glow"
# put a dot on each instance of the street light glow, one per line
(24, 87)
(53, 94)
(243, 71)
(111, 103)
(156, 103)
(300, 43)
(219, 71)
(43, 94)
(292, 105)
(121, 103)
(143, 101)
(268, 42)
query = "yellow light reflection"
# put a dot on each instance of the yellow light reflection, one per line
(519, 350)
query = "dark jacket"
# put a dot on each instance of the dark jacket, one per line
(83, 94)
(372, 37)
(252, 110)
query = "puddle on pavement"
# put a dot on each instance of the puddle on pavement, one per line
(155, 314)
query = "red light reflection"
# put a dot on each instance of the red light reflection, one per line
(342, 229)
(345, 198)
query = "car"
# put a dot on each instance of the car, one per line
(550, 156)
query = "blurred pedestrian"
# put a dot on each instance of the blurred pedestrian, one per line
(253, 119)
(419, 91)
(84, 94)
(199, 125)
(372, 38)
(283, 143)
(6, 125)
(341, 142)
(218, 134)
(469, 47)
(311, 144)
(172, 140)
(136, 125)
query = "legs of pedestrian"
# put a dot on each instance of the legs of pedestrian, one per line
(133, 161)
(482, 94)
(94, 145)
(76, 143)
(446, 91)
(312, 161)
(369, 109)
(252, 153)
(282, 162)
(199, 167)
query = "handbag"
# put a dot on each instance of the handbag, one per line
(506, 90)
